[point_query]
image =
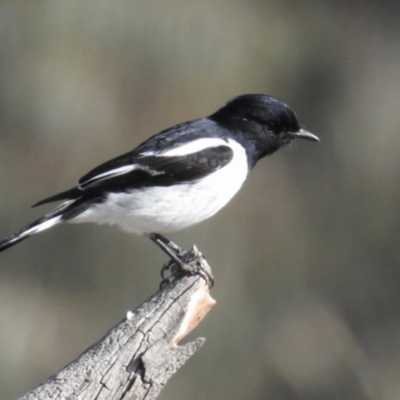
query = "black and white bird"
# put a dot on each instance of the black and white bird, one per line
(178, 177)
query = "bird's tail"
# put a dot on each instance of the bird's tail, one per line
(67, 210)
(62, 213)
(40, 225)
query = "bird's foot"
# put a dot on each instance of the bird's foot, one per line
(182, 261)
(192, 262)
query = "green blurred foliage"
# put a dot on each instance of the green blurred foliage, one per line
(306, 257)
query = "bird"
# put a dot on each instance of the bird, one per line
(179, 176)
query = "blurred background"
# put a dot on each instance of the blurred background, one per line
(306, 257)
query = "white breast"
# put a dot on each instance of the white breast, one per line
(166, 209)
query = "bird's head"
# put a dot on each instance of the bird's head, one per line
(261, 121)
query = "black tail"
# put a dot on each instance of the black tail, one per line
(65, 211)
(40, 225)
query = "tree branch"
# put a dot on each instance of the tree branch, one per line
(135, 359)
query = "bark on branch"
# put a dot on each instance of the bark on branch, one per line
(135, 359)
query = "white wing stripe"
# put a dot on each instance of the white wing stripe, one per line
(114, 172)
(189, 148)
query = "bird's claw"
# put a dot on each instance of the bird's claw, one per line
(191, 262)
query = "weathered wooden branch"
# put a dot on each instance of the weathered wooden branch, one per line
(135, 359)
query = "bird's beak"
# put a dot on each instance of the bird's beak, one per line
(303, 134)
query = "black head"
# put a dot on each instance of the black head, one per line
(262, 123)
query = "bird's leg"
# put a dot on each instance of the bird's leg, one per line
(163, 243)
(173, 251)
(168, 247)
(184, 260)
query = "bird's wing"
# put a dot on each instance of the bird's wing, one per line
(164, 169)
(181, 164)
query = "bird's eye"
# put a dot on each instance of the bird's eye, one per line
(274, 128)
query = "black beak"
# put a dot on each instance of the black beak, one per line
(303, 134)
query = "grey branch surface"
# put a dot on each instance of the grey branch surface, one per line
(135, 359)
